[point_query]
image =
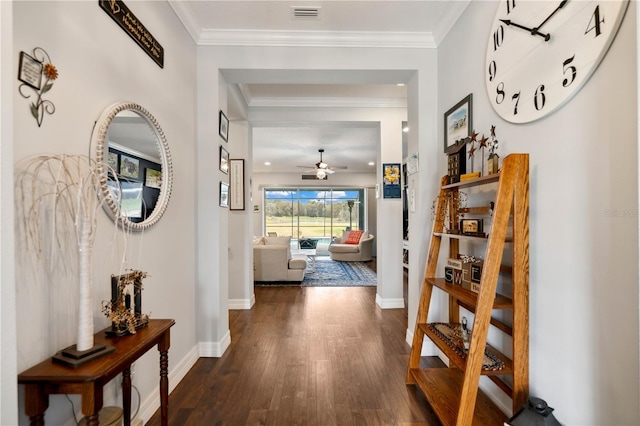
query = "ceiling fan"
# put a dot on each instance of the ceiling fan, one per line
(322, 169)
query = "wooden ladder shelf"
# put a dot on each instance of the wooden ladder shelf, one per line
(453, 392)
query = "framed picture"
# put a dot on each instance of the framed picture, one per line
(224, 160)
(458, 122)
(236, 181)
(129, 167)
(113, 161)
(224, 194)
(30, 71)
(391, 187)
(153, 178)
(223, 126)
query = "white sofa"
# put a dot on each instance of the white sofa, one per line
(360, 252)
(273, 262)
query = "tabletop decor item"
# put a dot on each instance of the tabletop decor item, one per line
(493, 161)
(125, 307)
(32, 70)
(58, 200)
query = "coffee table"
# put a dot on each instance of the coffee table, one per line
(310, 253)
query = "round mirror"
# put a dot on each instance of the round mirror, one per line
(134, 163)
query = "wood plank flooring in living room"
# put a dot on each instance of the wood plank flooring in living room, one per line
(306, 356)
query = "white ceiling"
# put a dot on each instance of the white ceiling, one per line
(381, 23)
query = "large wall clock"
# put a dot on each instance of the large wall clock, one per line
(540, 53)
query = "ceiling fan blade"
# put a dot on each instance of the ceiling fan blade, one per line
(339, 167)
(329, 171)
(305, 167)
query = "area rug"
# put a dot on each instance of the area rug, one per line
(329, 273)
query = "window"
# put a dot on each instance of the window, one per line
(317, 212)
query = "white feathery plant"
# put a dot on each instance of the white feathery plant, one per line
(56, 192)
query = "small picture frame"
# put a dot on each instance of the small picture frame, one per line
(458, 122)
(224, 194)
(113, 162)
(224, 160)
(236, 181)
(153, 178)
(223, 126)
(391, 184)
(129, 167)
(30, 71)
(471, 227)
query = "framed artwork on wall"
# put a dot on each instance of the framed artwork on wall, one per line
(236, 181)
(458, 122)
(391, 180)
(223, 126)
(224, 194)
(129, 167)
(224, 160)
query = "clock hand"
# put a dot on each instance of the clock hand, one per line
(532, 31)
(560, 6)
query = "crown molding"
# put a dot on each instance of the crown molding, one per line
(316, 39)
(327, 102)
(371, 39)
(185, 15)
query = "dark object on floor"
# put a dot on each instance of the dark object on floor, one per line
(534, 412)
(308, 243)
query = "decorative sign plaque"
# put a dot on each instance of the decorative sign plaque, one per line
(120, 13)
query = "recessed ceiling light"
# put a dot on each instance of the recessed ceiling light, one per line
(371, 163)
(400, 84)
(266, 163)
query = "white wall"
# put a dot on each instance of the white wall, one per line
(98, 65)
(584, 258)
(8, 367)
(241, 294)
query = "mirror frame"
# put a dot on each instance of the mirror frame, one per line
(98, 140)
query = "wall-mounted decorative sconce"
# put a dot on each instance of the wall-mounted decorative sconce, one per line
(37, 73)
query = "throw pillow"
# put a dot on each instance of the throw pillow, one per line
(354, 237)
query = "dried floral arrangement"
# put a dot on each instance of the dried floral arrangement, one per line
(125, 318)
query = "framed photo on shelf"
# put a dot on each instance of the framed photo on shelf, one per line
(458, 122)
(224, 194)
(236, 182)
(223, 126)
(224, 160)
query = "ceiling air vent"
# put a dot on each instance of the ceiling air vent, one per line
(305, 12)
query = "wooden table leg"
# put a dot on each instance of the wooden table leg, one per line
(91, 402)
(126, 396)
(36, 403)
(163, 347)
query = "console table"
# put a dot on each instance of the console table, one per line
(88, 380)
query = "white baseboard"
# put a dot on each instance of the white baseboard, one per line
(214, 349)
(242, 304)
(389, 303)
(152, 402)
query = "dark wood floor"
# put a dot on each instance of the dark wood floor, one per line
(306, 356)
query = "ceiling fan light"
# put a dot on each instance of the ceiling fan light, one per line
(321, 174)
(322, 165)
